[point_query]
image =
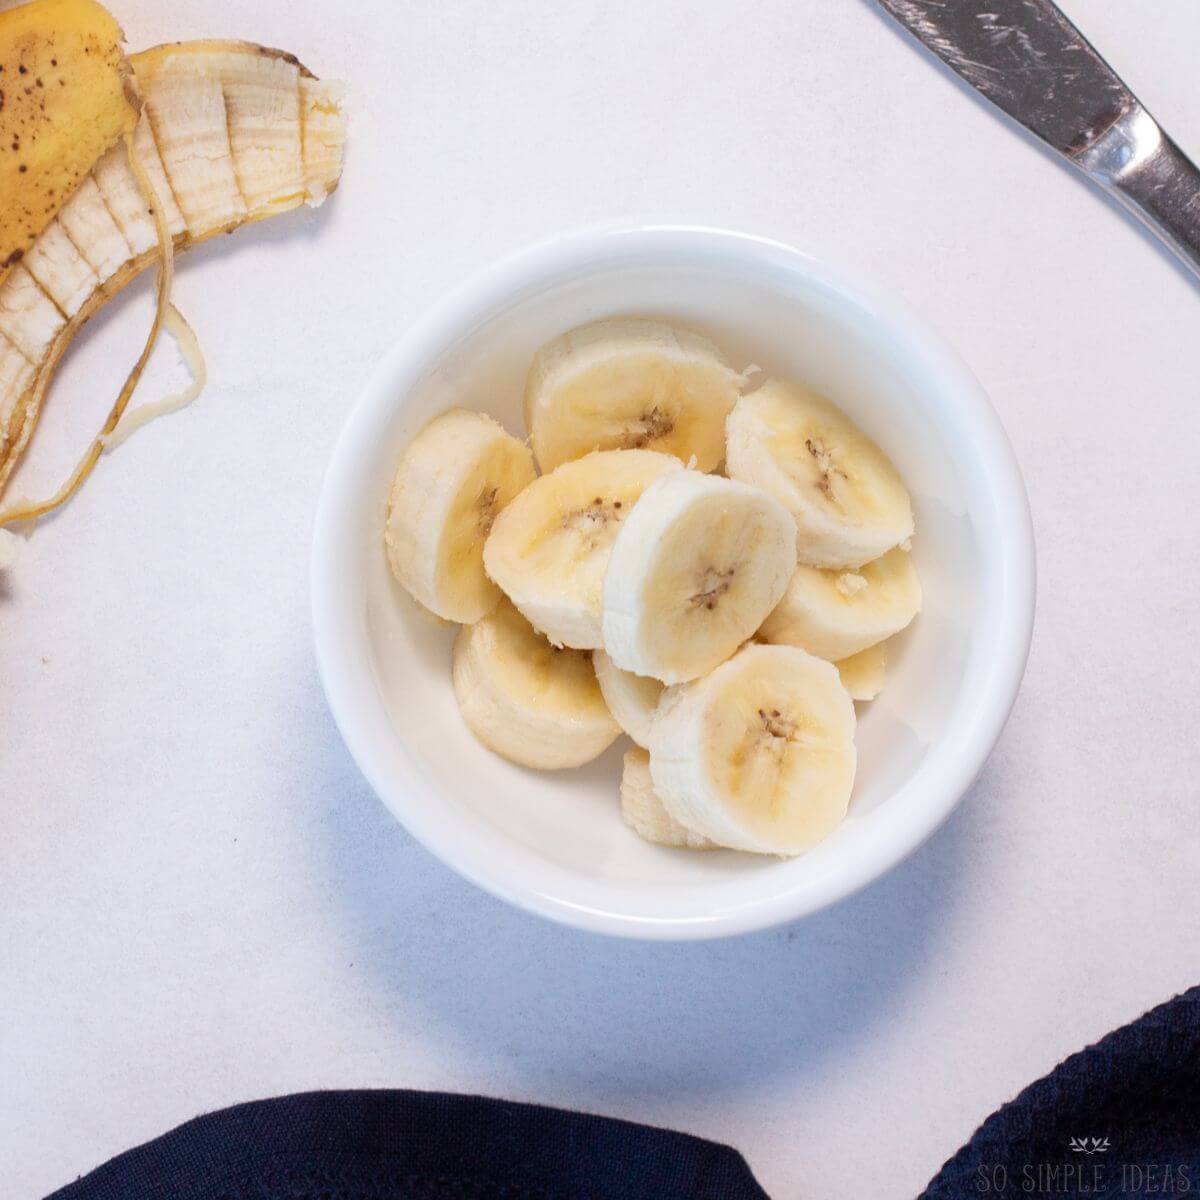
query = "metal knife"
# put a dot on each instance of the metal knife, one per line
(1031, 62)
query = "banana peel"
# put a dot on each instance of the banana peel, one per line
(66, 96)
(222, 133)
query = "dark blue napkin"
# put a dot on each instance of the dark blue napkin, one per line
(1121, 1118)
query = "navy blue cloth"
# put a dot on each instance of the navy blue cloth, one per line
(1121, 1118)
(394, 1145)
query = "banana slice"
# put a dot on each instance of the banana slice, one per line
(453, 479)
(863, 673)
(835, 614)
(323, 130)
(119, 188)
(628, 384)
(146, 149)
(61, 271)
(90, 225)
(526, 700)
(262, 104)
(549, 549)
(28, 317)
(188, 117)
(631, 698)
(759, 755)
(643, 811)
(850, 505)
(696, 567)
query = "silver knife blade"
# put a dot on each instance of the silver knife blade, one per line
(1027, 59)
(1031, 62)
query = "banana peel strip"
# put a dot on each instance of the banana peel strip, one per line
(30, 512)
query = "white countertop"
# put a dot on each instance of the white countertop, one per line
(201, 902)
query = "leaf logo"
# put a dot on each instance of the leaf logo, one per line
(1083, 1145)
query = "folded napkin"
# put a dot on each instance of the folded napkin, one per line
(1121, 1118)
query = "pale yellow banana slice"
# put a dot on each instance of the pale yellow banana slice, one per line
(28, 317)
(146, 149)
(536, 705)
(549, 549)
(626, 384)
(631, 698)
(90, 225)
(262, 105)
(863, 674)
(850, 505)
(758, 755)
(696, 567)
(643, 811)
(61, 271)
(323, 121)
(123, 198)
(455, 478)
(835, 614)
(186, 102)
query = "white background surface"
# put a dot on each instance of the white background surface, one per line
(201, 901)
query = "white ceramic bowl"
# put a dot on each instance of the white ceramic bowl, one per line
(554, 843)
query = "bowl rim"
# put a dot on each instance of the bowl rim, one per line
(467, 305)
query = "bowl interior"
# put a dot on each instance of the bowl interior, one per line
(555, 841)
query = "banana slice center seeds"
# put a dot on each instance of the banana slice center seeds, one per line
(488, 510)
(649, 427)
(713, 586)
(591, 523)
(830, 472)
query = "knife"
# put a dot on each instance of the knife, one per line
(1032, 63)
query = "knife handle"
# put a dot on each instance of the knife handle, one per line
(1140, 167)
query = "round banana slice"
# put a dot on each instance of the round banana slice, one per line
(863, 673)
(643, 811)
(850, 505)
(549, 548)
(526, 700)
(759, 755)
(454, 478)
(696, 567)
(631, 698)
(835, 614)
(629, 384)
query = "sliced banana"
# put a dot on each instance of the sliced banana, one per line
(643, 811)
(91, 227)
(526, 700)
(850, 505)
(835, 614)
(863, 673)
(631, 698)
(696, 567)
(63, 273)
(28, 317)
(627, 384)
(457, 474)
(119, 187)
(549, 549)
(262, 106)
(187, 111)
(323, 135)
(759, 755)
